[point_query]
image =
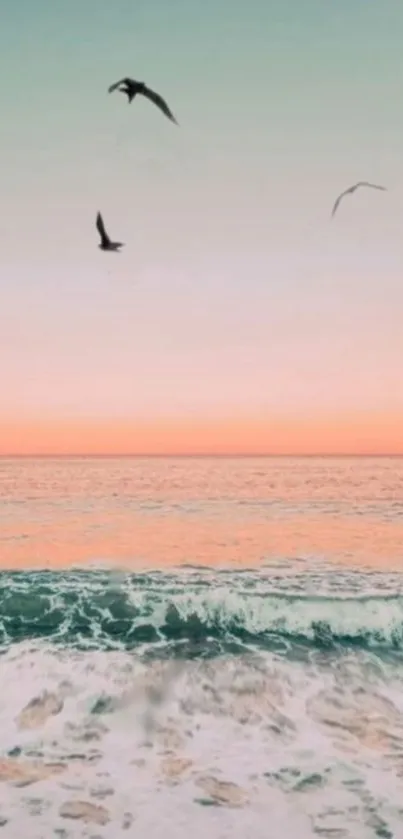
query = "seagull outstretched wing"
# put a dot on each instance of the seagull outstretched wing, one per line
(159, 102)
(352, 189)
(372, 186)
(337, 202)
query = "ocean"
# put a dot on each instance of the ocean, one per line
(204, 645)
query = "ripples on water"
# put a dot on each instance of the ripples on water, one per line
(252, 701)
(157, 512)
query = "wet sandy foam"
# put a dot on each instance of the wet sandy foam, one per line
(107, 743)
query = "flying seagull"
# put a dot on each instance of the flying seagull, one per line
(131, 88)
(352, 189)
(106, 244)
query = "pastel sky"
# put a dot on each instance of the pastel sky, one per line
(235, 299)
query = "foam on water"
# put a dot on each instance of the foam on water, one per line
(230, 703)
(201, 610)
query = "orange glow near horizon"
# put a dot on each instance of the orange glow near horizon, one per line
(356, 434)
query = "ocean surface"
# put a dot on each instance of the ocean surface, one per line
(201, 647)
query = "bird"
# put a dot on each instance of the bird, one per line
(352, 189)
(106, 244)
(131, 88)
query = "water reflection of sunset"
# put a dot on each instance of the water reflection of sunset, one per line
(153, 541)
(164, 512)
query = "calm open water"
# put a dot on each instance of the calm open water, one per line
(201, 645)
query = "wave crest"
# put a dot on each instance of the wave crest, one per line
(209, 612)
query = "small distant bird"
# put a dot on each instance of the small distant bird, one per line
(106, 244)
(131, 88)
(352, 189)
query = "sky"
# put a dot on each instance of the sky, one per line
(237, 317)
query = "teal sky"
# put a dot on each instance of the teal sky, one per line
(234, 291)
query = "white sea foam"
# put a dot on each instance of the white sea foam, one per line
(314, 746)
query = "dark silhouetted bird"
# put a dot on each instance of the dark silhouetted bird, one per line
(131, 88)
(106, 244)
(352, 189)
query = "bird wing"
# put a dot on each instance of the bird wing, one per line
(115, 85)
(373, 186)
(352, 189)
(101, 229)
(159, 102)
(337, 202)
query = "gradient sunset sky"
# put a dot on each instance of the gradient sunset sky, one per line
(237, 317)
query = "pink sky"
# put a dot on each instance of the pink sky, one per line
(355, 433)
(238, 316)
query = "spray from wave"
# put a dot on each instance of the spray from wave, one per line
(197, 612)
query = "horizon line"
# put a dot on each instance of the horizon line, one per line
(192, 455)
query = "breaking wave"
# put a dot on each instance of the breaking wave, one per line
(199, 612)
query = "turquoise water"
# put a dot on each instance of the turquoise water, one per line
(202, 612)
